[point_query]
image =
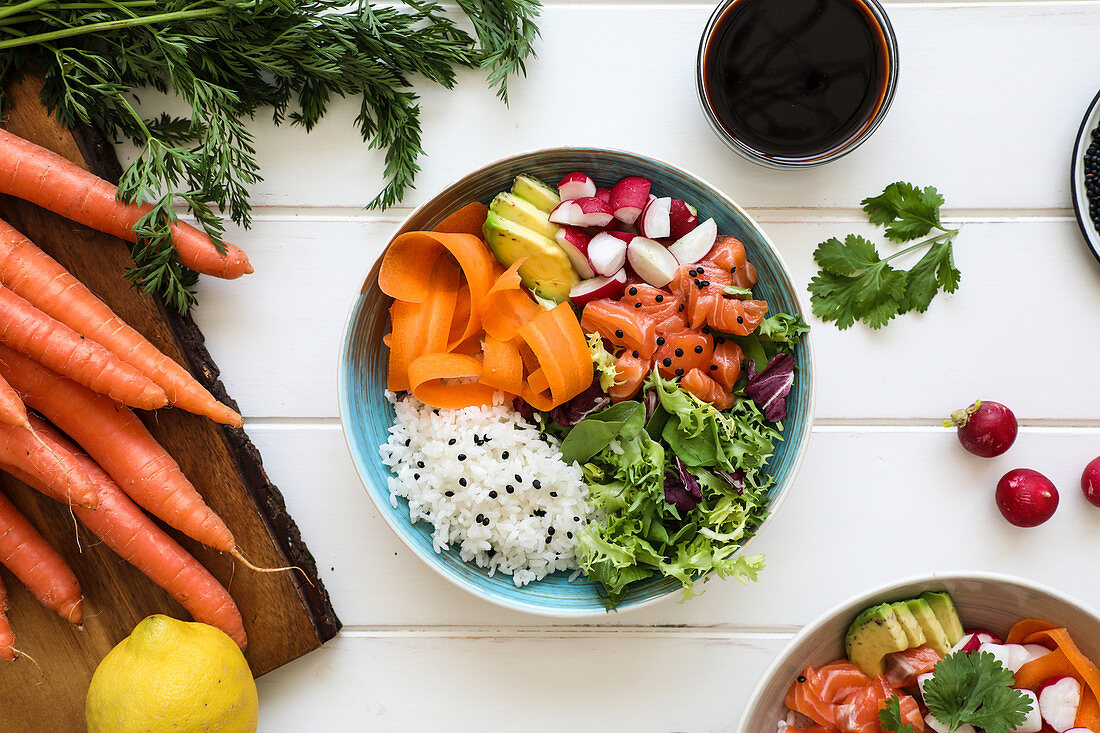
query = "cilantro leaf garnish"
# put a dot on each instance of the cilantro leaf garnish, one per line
(974, 688)
(890, 717)
(857, 284)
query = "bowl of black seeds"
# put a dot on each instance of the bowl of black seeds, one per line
(1085, 176)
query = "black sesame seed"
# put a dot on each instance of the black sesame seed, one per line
(452, 441)
(699, 284)
(480, 518)
(510, 489)
(549, 540)
(519, 478)
(576, 519)
(550, 530)
(504, 455)
(706, 283)
(638, 304)
(714, 367)
(801, 678)
(692, 272)
(667, 362)
(660, 299)
(700, 269)
(740, 319)
(485, 521)
(462, 482)
(679, 352)
(416, 477)
(679, 372)
(553, 493)
(493, 494)
(618, 333)
(537, 484)
(698, 349)
(680, 308)
(660, 340)
(449, 493)
(408, 442)
(633, 290)
(420, 464)
(635, 354)
(462, 456)
(733, 270)
(569, 535)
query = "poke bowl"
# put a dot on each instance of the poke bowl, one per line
(995, 623)
(373, 417)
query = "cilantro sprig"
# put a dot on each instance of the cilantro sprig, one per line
(967, 688)
(857, 284)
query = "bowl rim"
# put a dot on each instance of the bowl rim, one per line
(343, 397)
(873, 596)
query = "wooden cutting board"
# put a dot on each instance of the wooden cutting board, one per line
(285, 616)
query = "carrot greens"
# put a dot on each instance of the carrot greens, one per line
(230, 60)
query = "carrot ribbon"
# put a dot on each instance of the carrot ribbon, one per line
(1065, 660)
(464, 332)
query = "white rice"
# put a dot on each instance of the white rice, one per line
(529, 532)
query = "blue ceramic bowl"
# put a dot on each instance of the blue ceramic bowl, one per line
(366, 415)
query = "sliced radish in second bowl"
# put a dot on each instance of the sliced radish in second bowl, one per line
(696, 244)
(607, 253)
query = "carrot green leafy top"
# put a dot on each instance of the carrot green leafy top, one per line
(229, 60)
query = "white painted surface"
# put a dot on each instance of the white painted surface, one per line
(990, 97)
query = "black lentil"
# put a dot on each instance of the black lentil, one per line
(485, 521)
(1092, 178)
(801, 678)
(680, 308)
(550, 530)
(679, 352)
(576, 519)
(416, 477)
(449, 493)
(549, 540)
(618, 333)
(667, 362)
(452, 441)
(537, 484)
(679, 372)
(408, 442)
(569, 535)
(554, 494)
(510, 489)
(714, 367)
(493, 494)
(740, 319)
(462, 482)
(462, 456)
(519, 479)
(660, 340)
(480, 518)
(638, 304)
(540, 512)
(504, 455)
(660, 299)
(420, 464)
(633, 290)
(635, 354)
(698, 349)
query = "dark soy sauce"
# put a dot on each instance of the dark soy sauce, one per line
(796, 79)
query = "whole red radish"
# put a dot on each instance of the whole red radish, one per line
(985, 428)
(1090, 481)
(1026, 498)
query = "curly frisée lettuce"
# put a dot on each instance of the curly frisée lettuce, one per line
(671, 512)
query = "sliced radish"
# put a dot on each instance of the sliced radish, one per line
(607, 253)
(598, 287)
(1035, 651)
(653, 222)
(999, 651)
(603, 194)
(624, 236)
(582, 212)
(920, 682)
(629, 196)
(931, 721)
(681, 218)
(575, 243)
(987, 636)
(1018, 656)
(696, 244)
(1059, 698)
(1033, 723)
(576, 186)
(968, 644)
(652, 261)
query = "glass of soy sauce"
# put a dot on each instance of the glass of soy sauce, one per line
(796, 83)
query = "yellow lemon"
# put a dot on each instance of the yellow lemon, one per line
(176, 676)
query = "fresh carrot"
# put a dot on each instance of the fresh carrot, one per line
(7, 638)
(30, 331)
(118, 441)
(139, 541)
(24, 448)
(38, 566)
(34, 174)
(44, 283)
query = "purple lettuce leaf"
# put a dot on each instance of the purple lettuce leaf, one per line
(681, 488)
(769, 388)
(572, 412)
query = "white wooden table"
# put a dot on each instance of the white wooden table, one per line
(989, 100)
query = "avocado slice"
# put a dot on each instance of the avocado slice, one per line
(536, 192)
(946, 614)
(875, 633)
(913, 631)
(934, 634)
(547, 271)
(524, 212)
